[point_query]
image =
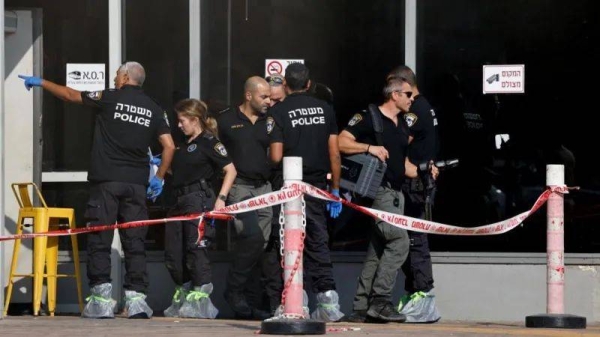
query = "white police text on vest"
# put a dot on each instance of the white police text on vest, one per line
(133, 114)
(307, 116)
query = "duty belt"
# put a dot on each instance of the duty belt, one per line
(250, 182)
(196, 186)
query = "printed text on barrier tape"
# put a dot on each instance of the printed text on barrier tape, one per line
(295, 191)
(258, 202)
(431, 227)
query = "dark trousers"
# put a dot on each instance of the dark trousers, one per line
(112, 202)
(252, 230)
(417, 268)
(186, 258)
(318, 270)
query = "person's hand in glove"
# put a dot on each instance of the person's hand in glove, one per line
(155, 188)
(334, 207)
(31, 81)
(155, 160)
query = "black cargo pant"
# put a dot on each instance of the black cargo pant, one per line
(318, 270)
(417, 268)
(112, 202)
(186, 258)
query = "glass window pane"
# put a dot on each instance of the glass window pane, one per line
(74, 31)
(455, 39)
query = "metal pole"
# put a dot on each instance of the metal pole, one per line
(2, 133)
(195, 90)
(555, 263)
(410, 34)
(291, 322)
(293, 233)
(115, 58)
(555, 236)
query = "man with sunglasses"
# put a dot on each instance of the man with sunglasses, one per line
(423, 148)
(388, 246)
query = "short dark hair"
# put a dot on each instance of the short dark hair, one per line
(296, 76)
(406, 73)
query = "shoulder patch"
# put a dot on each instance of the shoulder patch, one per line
(95, 95)
(192, 147)
(270, 124)
(410, 119)
(220, 149)
(355, 120)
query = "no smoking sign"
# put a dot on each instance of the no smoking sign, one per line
(277, 66)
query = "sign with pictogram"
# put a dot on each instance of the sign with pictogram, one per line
(504, 79)
(277, 66)
(86, 76)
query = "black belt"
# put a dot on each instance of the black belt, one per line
(201, 185)
(250, 182)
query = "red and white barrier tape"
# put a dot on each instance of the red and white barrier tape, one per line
(431, 227)
(295, 190)
(261, 201)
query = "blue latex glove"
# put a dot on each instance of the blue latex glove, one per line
(31, 81)
(155, 188)
(155, 160)
(334, 207)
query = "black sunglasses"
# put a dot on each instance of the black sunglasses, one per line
(407, 93)
(274, 80)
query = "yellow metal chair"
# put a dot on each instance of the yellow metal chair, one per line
(45, 249)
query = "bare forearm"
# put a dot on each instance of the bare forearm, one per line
(60, 91)
(336, 171)
(276, 152)
(167, 158)
(230, 173)
(351, 146)
(168, 146)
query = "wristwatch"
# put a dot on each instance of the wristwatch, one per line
(222, 197)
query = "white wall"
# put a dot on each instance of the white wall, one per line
(18, 140)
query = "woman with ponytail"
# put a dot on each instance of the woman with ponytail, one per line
(194, 163)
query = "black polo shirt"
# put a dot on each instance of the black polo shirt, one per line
(246, 143)
(198, 159)
(303, 124)
(126, 124)
(422, 124)
(395, 140)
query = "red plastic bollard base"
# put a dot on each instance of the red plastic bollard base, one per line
(556, 321)
(292, 327)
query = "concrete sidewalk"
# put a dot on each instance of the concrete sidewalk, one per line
(66, 326)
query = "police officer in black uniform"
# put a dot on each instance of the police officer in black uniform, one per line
(126, 124)
(388, 246)
(423, 148)
(196, 161)
(304, 126)
(243, 130)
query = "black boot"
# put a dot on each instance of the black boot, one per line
(383, 309)
(242, 309)
(357, 316)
